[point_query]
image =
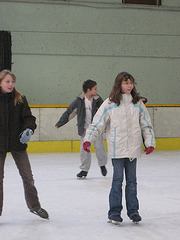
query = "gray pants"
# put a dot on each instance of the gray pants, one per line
(101, 154)
(22, 162)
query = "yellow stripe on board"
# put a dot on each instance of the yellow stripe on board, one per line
(168, 144)
(65, 106)
(49, 106)
(74, 146)
(49, 146)
(162, 105)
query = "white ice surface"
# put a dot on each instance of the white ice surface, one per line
(78, 208)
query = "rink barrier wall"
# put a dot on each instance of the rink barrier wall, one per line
(165, 119)
(165, 144)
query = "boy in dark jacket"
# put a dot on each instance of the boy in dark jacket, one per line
(17, 125)
(85, 106)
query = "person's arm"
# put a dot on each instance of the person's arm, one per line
(147, 129)
(28, 120)
(70, 113)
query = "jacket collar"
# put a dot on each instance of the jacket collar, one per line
(7, 95)
(127, 98)
(82, 96)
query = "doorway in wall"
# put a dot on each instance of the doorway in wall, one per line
(5, 50)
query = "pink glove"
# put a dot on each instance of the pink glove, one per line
(86, 145)
(149, 150)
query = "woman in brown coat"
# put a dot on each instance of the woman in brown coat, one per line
(17, 124)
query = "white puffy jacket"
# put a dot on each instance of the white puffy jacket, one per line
(125, 125)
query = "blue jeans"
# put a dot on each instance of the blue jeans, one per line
(115, 196)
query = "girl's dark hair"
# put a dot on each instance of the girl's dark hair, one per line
(88, 84)
(18, 96)
(116, 92)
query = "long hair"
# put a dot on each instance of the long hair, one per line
(116, 92)
(18, 96)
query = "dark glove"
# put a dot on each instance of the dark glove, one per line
(26, 135)
(149, 150)
(144, 100)
(86, 145)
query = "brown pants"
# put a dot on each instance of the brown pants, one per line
(22, 162)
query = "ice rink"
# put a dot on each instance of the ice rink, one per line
(78, 208)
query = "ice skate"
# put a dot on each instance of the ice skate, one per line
(41, 213)
(103, 170)
(82, 174)
(116, 219)
(136, 218)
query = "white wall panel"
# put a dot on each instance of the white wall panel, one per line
(48, 132)
(166, 122)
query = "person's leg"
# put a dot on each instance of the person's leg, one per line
(115, 196)
(2, 161)
(24, 167)
(131, 188)
(101, 154)
(85, 158)
(100, 151)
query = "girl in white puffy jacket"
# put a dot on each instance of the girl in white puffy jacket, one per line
(127, 121)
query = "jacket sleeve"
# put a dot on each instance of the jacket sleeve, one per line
(28, 120)
(146, 127)
(69, 114)
(98, 124)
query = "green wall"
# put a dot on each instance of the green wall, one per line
(58, 45)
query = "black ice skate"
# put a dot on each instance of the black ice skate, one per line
(103, 170)
(41, 213)
(82, 174)
(116, 219)
(136, 218)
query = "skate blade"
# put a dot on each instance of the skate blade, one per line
(38, 215)
(113, 222)
(81, 178)
(135, 222)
